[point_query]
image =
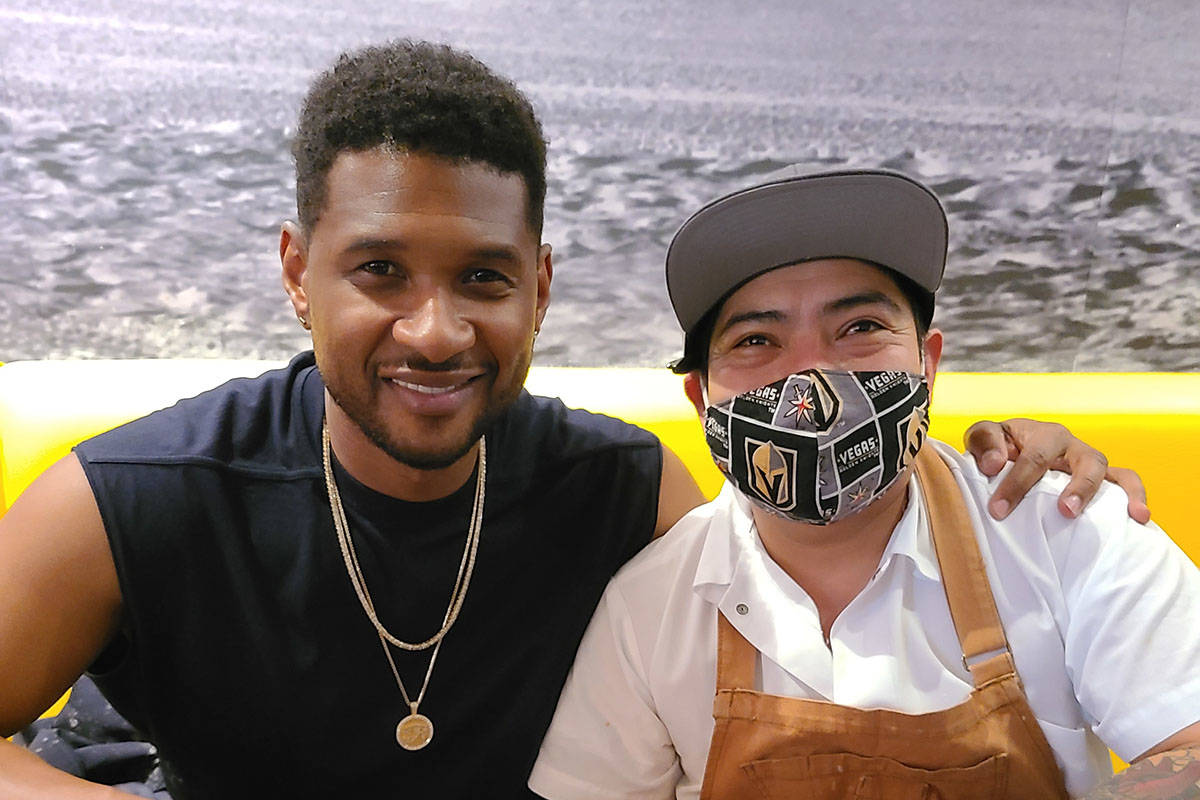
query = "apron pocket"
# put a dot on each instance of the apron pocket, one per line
(845, 776)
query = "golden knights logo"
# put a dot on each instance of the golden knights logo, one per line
(814, 406)
(911, 435)
(771, 471)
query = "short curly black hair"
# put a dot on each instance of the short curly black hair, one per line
(417, 97)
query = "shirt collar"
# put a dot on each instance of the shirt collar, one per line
(726, 542)
(732, 540)
(912, 538)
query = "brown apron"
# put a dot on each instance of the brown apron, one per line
(988, 747)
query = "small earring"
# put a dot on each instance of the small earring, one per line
(303, 322)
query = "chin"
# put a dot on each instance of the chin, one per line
(435, 448)
(440, 450)
(429, 459)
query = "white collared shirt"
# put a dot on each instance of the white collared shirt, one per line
(1102, 615)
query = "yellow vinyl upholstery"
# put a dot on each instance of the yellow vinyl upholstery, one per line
(1147, 421)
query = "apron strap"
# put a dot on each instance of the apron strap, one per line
(736, 657)
(968, 591)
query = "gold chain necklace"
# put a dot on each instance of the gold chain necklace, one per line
(416, 730)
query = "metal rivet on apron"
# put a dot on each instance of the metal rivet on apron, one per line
(743, 609)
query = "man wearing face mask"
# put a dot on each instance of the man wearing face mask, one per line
(845, 619)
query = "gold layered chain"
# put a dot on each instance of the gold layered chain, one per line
(416, 730)
(465, 567)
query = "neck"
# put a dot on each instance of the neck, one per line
(832, 563)
(377, 470)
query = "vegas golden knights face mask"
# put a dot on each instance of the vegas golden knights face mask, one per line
(820, 444)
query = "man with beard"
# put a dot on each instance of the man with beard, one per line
(845, 619)
(364, 574)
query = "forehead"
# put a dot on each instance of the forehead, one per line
(379, 188)
(811, 285)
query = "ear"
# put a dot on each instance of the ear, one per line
(693, 387)
(932, 355)
(545, 273)
(293, 259)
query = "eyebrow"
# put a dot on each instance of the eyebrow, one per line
(750, 316)
(846, 303)
(485, 253)
(870, 298)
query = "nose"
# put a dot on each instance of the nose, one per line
(805, 353)
(805, 365)
(435, 329)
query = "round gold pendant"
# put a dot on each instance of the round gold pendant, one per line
(414, 732)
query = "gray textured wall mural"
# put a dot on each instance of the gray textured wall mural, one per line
(144, 167)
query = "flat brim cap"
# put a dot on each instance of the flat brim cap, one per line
(872, 215)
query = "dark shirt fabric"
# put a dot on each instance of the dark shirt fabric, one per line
(248, 659)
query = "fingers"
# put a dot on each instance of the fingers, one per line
(1035, 447)
(1043, 446)
(1087, 467)
(1129, 480)
(1029, 465)
(988, 444)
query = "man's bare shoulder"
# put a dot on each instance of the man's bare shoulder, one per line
(62, 600)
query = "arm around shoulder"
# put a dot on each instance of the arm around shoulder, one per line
(60, 604)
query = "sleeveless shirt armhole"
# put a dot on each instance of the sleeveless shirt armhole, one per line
(100, 496)
(112, 657)
(648, 473)
(115, 657)
(115, 662)
(656, 493)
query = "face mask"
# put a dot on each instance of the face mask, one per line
(820, 444)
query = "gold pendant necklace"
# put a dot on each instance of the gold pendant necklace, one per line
(416, 730)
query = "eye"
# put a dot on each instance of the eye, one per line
(379, 268)
(753, 340)
(485, 275)
(863, 326)
(486, 282)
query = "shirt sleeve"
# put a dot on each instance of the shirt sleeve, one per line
(1132, 643)
(606, 739)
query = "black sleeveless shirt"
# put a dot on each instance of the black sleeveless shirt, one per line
(247, 657)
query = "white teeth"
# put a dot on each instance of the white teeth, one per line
(417, 387)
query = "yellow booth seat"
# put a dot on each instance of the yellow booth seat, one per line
(1147, 421)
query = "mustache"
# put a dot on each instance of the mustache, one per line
(418, 363)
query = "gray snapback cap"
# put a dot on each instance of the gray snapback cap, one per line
(871, 215)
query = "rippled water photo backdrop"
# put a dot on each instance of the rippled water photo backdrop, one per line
(144, 167)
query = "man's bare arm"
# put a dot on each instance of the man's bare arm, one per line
(60, 603)
(1170, 771)
(1033, 446)
(23, 776)
(677, 493)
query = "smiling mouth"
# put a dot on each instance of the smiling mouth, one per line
(431, 390)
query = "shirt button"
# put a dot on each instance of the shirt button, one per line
(742, 609)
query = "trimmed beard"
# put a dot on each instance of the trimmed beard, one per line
(435, 461)
(420, 460)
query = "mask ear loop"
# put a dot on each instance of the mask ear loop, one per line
(704, 391)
